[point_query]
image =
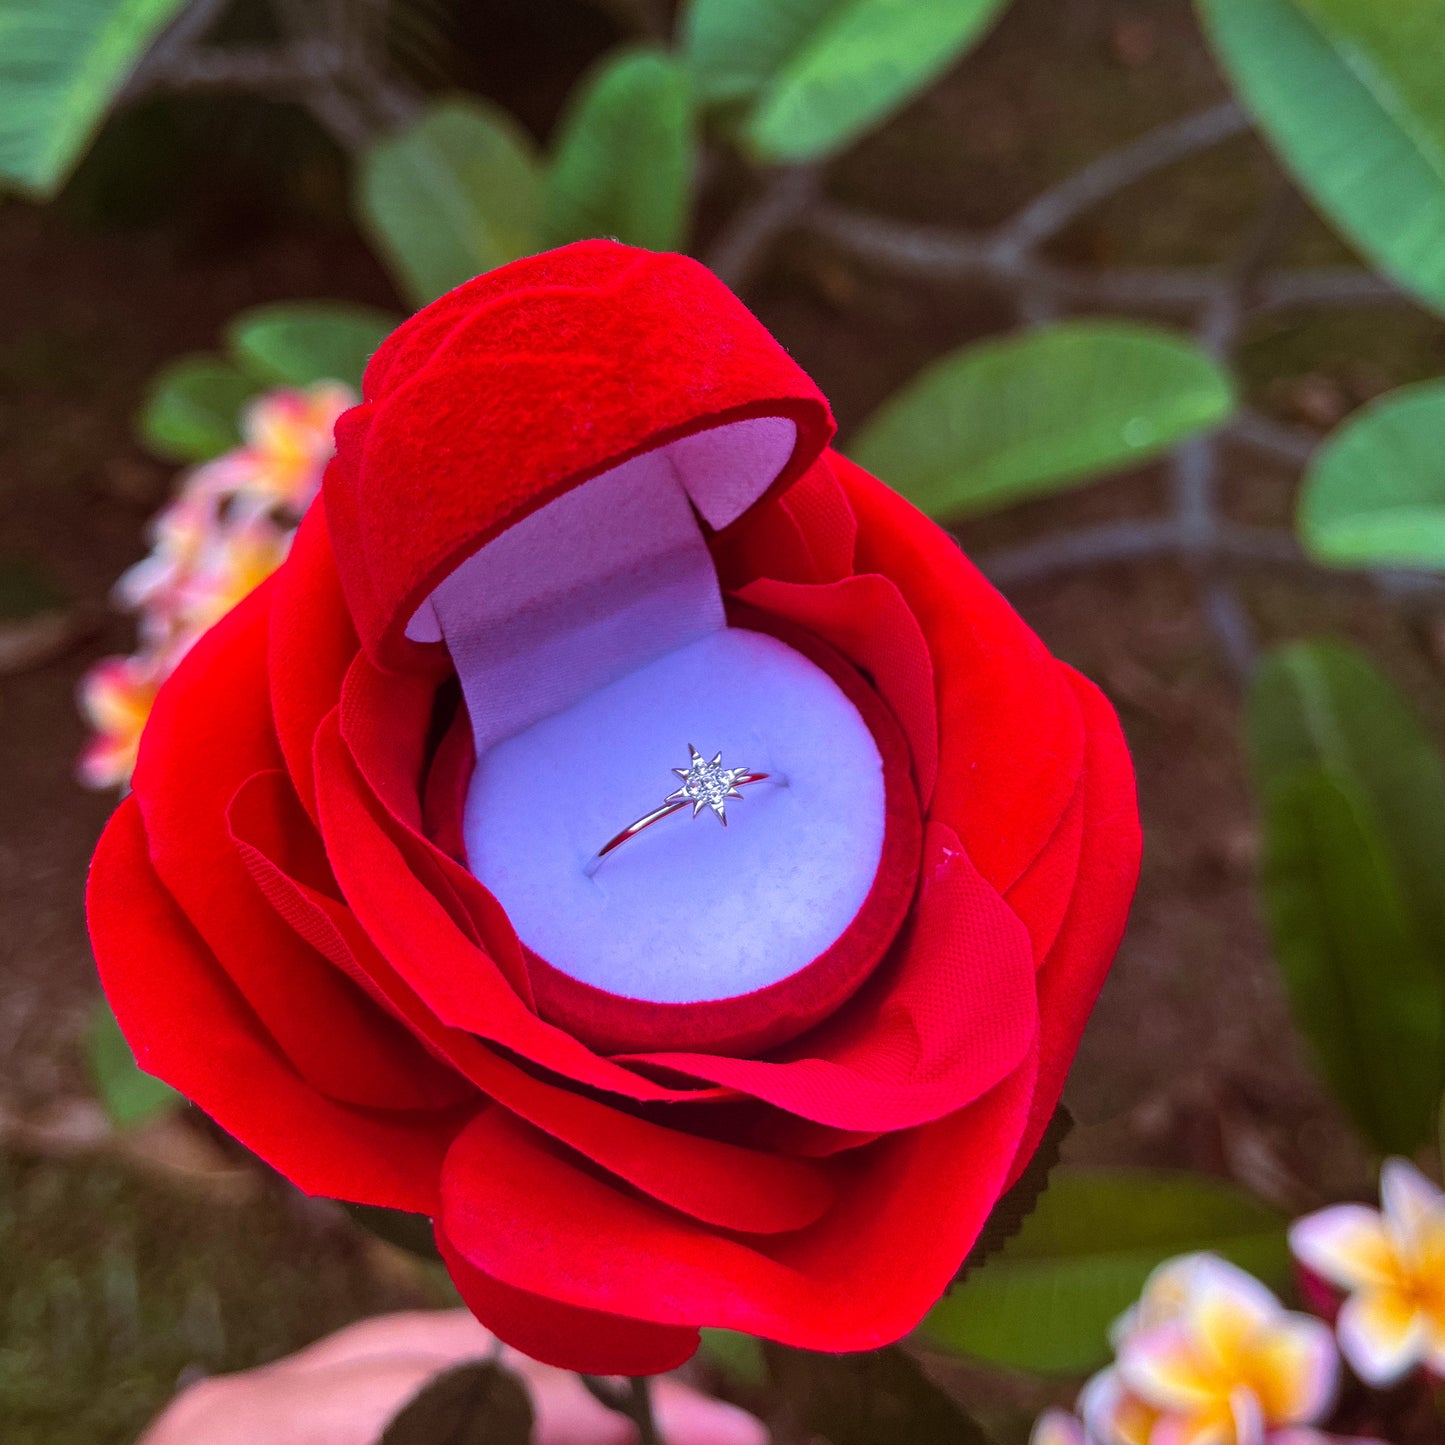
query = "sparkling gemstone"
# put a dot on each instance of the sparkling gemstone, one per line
(707, 784)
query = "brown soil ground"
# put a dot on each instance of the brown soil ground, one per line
(1190, 1059)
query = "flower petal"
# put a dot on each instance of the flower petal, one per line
(1347, 1245)
(1057, 1427)
(1382, 1334)
(1296, 1371)
(1163, 1366)
(1414, 1207)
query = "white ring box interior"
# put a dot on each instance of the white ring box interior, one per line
(592, 648)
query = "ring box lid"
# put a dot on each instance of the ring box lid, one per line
(528, 382)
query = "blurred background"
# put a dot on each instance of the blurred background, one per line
(1141, 298)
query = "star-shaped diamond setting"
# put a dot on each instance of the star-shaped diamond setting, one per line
(707, 784)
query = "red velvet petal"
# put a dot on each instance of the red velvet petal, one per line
(868, 621)
(385, 719)
(806, 535)
(188, 1026)
(588, 1341)
(519, 1210)
(210, 730)
(717, 1182)
(951, 1015)
(1010, 739)
(312, 643)
(1042, 896)
(819, 508)
(1074, 972)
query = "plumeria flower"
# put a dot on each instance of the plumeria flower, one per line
(233, 562)
(1222, 1360)
(1210, 1357)
(1391, 1263)
(115, 699)
(229, 527)
(1058, 1427)
(288, 436)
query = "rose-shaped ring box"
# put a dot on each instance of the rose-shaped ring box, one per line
(537, 485)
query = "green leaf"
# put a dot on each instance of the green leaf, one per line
(1011, 1212)
(738, 1357)
(1353, 794)
(1374, 495)
(457, 194)
(1363, 990)
(295, 343)
(1035, 413)
(818, 73)
(473, 1404)
(61, 64)
(1352, 93)
(1046, 1301)
(129, 1096)
(192, 412)
(625, 156)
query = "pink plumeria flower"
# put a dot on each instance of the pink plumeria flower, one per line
(115, 698)
(229, 527)
(1058, 1427)
(1220, 1360)
(1391, 1263)
(233, 562)
(289, 440)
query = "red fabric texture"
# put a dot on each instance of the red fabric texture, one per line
(287, 931)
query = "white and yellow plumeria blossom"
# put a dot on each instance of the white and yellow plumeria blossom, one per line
(1391, 1263)
(1220, 1358)
(1210, 1357)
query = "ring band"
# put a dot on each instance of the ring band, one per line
(704, 785)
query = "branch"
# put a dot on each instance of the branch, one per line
(745, 241)
(633, 1399)
(1292, 445)
(250, 68)
(1057, 207)
(1147, 539)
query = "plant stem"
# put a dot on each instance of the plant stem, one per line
(634, 1399)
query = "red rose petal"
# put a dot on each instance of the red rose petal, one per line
(211, 729)
(940, 1024)
(520, 1211)
(868, 621)
(588, 1341)
(312, 643)
(1010, 739)
(188, 1025)
(1075, 969)
(417, 936)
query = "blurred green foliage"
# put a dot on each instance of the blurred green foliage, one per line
(1353, 796)
(1005, 420)
(61, 65)
(113, 1286)
(1046, 1300)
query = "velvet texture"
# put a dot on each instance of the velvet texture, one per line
(288, 936)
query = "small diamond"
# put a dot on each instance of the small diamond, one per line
(707, 784)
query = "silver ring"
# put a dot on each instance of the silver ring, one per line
(704, 785)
